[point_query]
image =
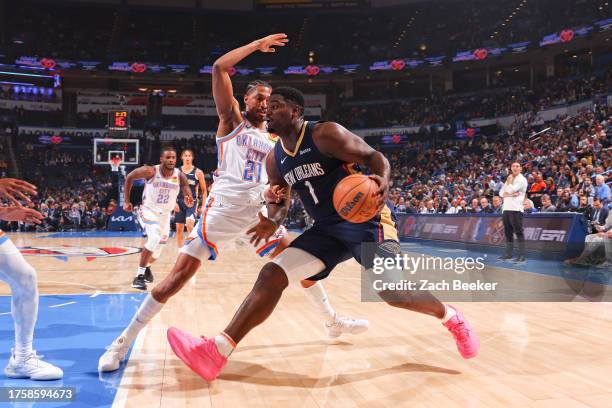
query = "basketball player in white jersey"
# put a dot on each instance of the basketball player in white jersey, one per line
(163, 184)
(183, 215)
(21, 277)
(234, 203)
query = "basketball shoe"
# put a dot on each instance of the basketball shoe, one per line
(113, 356)
(32, 367)
(346, 325)
(148, 275)
(466, 339)
(199, 354)
(139, 282)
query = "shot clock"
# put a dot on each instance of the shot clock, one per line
(118, 120)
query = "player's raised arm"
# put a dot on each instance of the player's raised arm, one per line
(337, 141)
(228, 107)
(187, 198)
(144, 172)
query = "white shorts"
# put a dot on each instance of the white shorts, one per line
(223, 220)
(157, 226)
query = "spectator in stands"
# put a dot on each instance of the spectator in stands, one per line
(547, 205)
(537, 189)
(597, 247)
(497, 205)
(597, 215)
(462, 208)
(452, 208)
(602, 190)
(528, 207)
(429, 207)
(474, 208)
(484, 206)
(583, 205)
(564, 204)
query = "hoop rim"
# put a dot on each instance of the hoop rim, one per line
(115, 162)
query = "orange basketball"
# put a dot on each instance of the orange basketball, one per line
(353, 198)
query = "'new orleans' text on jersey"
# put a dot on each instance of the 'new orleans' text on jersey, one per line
(312, 174)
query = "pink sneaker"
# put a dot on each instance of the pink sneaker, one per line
(467, 341)
(199, 354)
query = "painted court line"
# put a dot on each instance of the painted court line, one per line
(129, 372)
(63, 304)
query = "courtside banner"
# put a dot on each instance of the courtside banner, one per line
(455, 258)
(556, 232)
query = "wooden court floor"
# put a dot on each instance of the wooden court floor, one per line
(532, 355)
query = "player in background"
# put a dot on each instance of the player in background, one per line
(184, 215)
(163, 184)
(21, 277)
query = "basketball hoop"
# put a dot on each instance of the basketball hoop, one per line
(115, 162)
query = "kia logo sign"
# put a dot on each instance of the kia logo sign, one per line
(481, 53)
(139, 67)
(47, 63)
(122, 218)
(566, 35)
(231, 71)
(470, 132)
(398, 65)
(396, 139)
(312, 70)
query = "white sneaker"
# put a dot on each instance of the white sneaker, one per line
(114, 356)
(32, 367)
(346, 325)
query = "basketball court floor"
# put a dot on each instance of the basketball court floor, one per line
(532, 354)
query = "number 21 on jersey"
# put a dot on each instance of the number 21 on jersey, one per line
(252, 171)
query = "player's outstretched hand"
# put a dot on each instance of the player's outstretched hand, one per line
(188, 200)
(275, 194)
(128, 207)
(381, 193)
(15, 190)
(19, 213)
(268, 43)
(262, 231)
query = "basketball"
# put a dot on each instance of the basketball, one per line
(353, 198)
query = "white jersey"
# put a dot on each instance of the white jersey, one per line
(160, 193)
(241, 168)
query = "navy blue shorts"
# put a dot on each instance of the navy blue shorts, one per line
(184, 213)
(336, 242)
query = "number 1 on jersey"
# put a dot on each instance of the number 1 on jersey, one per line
(312, 192)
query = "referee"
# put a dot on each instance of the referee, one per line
(513, 193)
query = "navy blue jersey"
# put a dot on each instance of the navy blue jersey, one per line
(312, 174)
(193, 184)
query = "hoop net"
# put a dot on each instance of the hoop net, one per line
(115, 162)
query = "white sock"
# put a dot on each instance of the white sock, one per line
(448, 314)
(149, 308)
(141, 270)
(317, 295)
(225, 344)
(23, 350)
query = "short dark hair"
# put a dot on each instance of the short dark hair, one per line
(291, 94)
(254, 84)
(167, 148)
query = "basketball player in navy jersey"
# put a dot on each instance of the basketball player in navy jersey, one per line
(312, 158)
(184, 215)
